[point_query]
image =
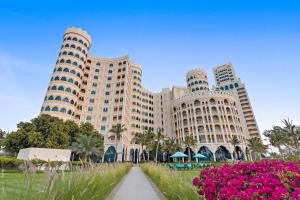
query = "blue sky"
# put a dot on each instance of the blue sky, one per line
(260, 38)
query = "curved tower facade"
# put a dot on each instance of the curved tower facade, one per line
(196, 80)
(109, 91)
(64, 98)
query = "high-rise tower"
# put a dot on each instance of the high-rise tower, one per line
(196, 79)
(226, 80)
(64, 97)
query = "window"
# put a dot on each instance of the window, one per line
(70, 80)
(74, 63)
(89, 118)
(97, 70)
(107, 93)
(103, 128)
(50, 98)
(104, 119)
(55, 109)
(61, 88)
(105, 109)
(47, 108)
(66, 99)
(68, 61)
(93, 92)
(73, 71)
(98, 64)
(56, 78)
(94, 84)
(90, 108)
(106, 101)
(92, 100)
(63, 110)
(53, 87)
(109, 78)
(110, 71)
(63, 78)
(58, 98)
(59, 69)
(96, 77)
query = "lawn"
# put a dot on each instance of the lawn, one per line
(91, 183)
(174, 184)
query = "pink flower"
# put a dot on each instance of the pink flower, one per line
(196, 182)
(260, 180)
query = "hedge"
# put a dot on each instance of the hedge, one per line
(14, 163)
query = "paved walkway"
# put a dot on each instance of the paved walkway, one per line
(135, 186)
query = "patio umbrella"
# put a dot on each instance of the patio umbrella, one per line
(199, 155)
(179, 155)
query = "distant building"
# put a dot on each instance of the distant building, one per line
(104, 92)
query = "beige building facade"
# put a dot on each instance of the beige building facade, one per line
(105, 92)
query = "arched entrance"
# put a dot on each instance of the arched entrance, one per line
(239, 154)
(136, 156)
(132, 155)
(192, 153)
(206, 152)
(222, 153)
(110, 154)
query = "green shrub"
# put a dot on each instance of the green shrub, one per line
(9, 162)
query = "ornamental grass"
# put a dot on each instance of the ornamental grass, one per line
(175, 185)
(93, 183)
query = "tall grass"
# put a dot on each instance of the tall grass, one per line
(175, 185)
(93, 183)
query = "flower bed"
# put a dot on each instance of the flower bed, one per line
(260, 180)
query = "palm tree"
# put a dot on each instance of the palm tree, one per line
(255, 145)
(158, 138)
(171, 146)
(293, 133)
(150, 135)
(189, 142)
(85, 146)
(142, 139)
(235, 141)
(117, 131)
(277, 137)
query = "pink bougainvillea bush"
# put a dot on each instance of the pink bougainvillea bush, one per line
(276, 180)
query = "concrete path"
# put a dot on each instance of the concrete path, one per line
(136, 186)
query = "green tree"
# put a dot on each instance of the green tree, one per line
(72, 129)
(277, 138)
(142, 139)
(150, 146)
(293, 134)
(86, 146)
(117, 131)
(255, 145)
(189, 142)
(159, 137)
(46, 131)
(235, 141)
(171, 146)
(2, 134)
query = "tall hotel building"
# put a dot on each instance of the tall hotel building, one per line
(105, 92)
